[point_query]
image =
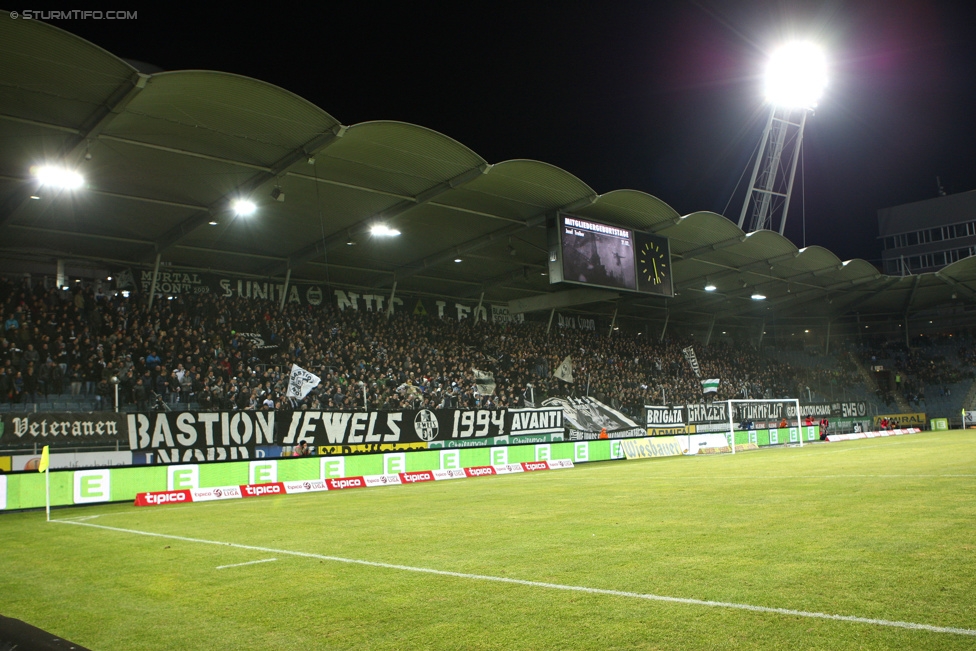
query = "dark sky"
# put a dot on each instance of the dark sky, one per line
(663, 97)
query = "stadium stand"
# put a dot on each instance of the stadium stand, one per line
(62, 347)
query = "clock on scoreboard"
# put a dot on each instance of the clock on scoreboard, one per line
(653, 264)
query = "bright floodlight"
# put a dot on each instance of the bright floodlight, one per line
(243, 207)
(710, 287)
(796, 75)
(382, 230)
(758, 297)
(58, 177)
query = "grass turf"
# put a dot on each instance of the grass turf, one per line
(877, 529)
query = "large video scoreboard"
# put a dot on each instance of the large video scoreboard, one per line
(585, 252)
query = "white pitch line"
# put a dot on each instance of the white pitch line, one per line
(552, 586)
(263, 560)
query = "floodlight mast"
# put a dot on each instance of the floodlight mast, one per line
(794, 82)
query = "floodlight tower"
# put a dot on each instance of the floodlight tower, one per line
(795, 79)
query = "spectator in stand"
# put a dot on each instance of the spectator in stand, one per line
(75, 377)
(153, 362)
(30, 384)
(17, 394)
(104, 395)
(6, 384)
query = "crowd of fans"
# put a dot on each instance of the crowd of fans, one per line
(929, 362)
(228, 354)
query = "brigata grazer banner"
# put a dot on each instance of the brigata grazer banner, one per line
(675, 416)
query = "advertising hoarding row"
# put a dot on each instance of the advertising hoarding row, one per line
(90, 486)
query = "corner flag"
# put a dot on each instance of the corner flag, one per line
(45, 459)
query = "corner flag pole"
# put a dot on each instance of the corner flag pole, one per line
(45, 467)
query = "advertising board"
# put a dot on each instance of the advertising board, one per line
(221, 481)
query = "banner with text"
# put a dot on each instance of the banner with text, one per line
(200, 436)
(61, 429)
(432, 427)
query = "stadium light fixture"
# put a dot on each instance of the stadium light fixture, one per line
(382, 230)
(796, 75)
(457, 260)
(58, 177)
(795, 79)
(758, 297)
(710, 287)
(244, 207)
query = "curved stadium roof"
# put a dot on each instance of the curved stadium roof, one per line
(169, 151)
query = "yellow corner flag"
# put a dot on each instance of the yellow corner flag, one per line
(45, 459)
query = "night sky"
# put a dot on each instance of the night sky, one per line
(663, 97)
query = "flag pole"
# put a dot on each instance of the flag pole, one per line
(45, 466)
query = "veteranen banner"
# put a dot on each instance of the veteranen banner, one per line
(61, 429)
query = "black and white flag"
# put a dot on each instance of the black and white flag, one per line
(692, 359)
(301, 382)
(564, 371)
(484, 382)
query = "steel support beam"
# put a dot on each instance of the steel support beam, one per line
(19, 202)
(956, 285)
(155, 279)
(321, 246)
(265, 174)
(413, 268)
(568, 298)
(284, 292)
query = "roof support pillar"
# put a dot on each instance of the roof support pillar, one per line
(477, 310)
(907, 345)
(667, 317)
(389, 307)
(152, 288)
(762, 333)
(711, 327)
(551, 314)
(613, 322)
(284, 292)
(827, 339)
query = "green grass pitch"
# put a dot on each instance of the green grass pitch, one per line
(879, 529)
